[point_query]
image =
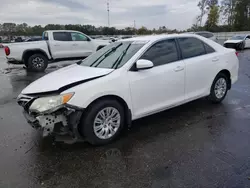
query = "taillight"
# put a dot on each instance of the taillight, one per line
(237, 54)
(7, 50)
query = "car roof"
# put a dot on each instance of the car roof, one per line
(159, 37)
(241, 35)
(203, 32)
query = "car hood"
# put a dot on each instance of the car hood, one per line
(65, 77)
(233, 41)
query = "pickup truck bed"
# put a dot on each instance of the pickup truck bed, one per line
(19, 51)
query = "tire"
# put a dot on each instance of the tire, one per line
(86, 126)
(221, 82)
(37, 63)
(242, 46)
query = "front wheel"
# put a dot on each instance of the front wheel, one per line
(219, 88)
(37, 63)
(242, 46)
(102, 122)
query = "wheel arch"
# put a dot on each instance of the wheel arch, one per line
(127, 110)
(228, 74)
(100, 47)
(28, 53)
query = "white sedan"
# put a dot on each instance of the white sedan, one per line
(238, 42)
(98, 97)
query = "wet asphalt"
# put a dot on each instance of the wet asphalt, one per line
(195, 145)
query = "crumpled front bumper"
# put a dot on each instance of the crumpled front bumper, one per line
(236, 46)
(63, 121)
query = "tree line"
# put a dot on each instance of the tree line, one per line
(226, 15)
(12, 29)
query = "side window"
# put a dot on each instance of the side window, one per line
(78, 37)
(248, 37)
(191, 47)
(62, 36)
(45, 36)
(162, 53)
(208, 48)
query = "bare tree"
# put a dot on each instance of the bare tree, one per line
(203, 8)
(227, 10)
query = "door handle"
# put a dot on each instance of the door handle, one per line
(56, 45)
(215, 59)
(178, 68)
(75, 44)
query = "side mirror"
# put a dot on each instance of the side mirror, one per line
(143, 64)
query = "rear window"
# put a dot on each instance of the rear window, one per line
(205, 34)
(208, 48)
(62, 36)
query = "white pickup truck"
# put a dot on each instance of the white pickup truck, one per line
(57, 45)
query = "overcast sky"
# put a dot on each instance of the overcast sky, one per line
(179, 14)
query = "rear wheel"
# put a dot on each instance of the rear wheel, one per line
(102, 122)
(219, 88)
(37, 63)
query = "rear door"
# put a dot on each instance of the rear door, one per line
(82, 45)
(200, 61)
(61, 45)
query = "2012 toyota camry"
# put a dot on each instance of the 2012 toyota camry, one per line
(96, 98)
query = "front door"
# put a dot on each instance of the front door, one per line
(162, 86)
(81, 45)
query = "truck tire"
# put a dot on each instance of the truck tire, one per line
(37, 63)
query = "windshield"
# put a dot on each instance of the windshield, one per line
(238, 37)
(114, 55)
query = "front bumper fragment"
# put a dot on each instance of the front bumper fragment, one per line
(236, 46)
(63, 122)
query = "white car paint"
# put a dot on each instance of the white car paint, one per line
(146, 91)
(66, 75)
(58, 49)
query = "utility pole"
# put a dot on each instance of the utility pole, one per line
(134, 28)
(108, 13)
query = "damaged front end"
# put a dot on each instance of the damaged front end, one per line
(62, 120)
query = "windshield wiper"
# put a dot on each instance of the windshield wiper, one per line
(119, 59)
(105, 55)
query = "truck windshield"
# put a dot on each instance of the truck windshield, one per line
(114, 55)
